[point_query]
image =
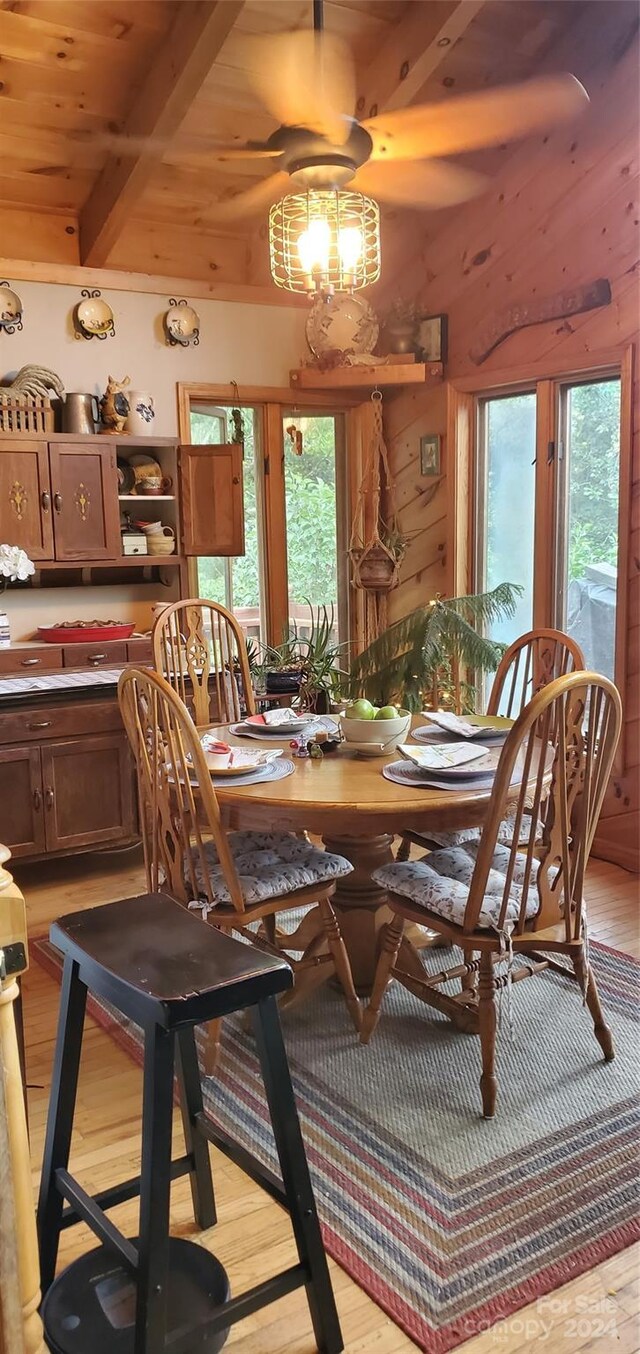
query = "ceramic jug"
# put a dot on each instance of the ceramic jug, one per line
(141, 414)
(80, 413)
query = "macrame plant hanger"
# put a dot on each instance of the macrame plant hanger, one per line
(376, 546)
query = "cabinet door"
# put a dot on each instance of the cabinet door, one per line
(84, 485)
(88, 791)
(25, 498)
(212, 500)
(22, 800)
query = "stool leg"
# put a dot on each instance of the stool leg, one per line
(295, 1175)
(64, 1084)
(204, 1206)
(155, 1188)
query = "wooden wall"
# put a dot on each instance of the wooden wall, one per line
(563, 210)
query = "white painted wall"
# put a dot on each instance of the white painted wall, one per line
(250, 344)
(253, 345)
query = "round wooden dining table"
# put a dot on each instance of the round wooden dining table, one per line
(345, 799)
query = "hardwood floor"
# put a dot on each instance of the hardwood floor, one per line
(596, 1313)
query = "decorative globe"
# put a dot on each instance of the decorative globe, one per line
(343, 322)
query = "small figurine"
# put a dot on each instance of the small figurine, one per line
(295, 437)
(114, 406)
(237, 424)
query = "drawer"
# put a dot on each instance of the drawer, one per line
(111, 655)
(42, 657)
(38, 723)
(139, 650)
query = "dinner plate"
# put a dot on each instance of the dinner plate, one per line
(182, 324)
(95, 315)
(10, 307)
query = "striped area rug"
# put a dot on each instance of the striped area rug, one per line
(451, 1222)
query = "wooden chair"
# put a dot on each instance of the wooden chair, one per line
(235, 878)
(529, 664)
(499, 902)
(200, 649)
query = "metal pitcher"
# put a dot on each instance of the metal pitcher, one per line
(80, 413)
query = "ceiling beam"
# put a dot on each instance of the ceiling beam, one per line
(174, 78)
(411, 53)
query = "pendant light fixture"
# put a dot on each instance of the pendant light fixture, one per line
(324, 240)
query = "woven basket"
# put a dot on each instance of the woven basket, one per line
(25, 414)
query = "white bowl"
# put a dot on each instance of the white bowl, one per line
(385, 731)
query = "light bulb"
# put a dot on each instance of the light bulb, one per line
(314, 245)
(350, 247)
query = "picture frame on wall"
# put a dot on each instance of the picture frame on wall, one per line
(431, 343)
(430, 455)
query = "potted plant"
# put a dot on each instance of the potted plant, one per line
(415, 661)
(303, 666)
(400, 325)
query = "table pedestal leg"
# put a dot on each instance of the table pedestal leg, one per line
(360, 904)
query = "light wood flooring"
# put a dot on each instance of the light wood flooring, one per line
(597, 1312)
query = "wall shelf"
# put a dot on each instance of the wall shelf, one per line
(367, 378)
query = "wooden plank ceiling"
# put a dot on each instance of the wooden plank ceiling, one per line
(74, 74)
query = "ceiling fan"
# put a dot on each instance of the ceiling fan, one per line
(306, 80)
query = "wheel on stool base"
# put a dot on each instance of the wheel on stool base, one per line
(92, 1303)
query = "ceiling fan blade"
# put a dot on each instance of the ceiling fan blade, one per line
(421, 183)
(252, 200)
(306, 79)
(189, 150)
(476, 120)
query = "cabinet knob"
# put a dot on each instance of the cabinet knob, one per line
(29, 662)
(236, 479)
(45, 499)
(57, 502)
(48, 797)
(39, 724)
(37, 799)
(97, 657)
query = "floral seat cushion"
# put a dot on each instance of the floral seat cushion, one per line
(269, 865)
(469, 835)
(440, 882)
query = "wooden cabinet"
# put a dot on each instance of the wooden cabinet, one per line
(87, 791)
(212, 499)
(66, 778)
(22, 800)
(85, 501)
(25, 497)
(30, 658)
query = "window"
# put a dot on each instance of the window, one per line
(547, 505)
(506, 480)
(311, 479)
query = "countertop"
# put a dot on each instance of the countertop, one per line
(74, 683)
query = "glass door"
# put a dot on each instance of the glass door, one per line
(587, 518)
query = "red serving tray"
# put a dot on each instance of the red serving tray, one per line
(66, 634)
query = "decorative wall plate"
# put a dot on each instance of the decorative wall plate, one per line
(344, 322)
(182, 324)
(10, 309)
(93, 317)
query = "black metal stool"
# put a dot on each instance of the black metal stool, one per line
(166, 970)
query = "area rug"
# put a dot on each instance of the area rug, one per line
(448, 1221)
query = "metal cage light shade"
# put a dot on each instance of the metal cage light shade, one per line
(324, 240)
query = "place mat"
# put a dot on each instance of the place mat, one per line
(405, 773)
(277, 770)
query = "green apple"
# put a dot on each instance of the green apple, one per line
(361, 709)
(387, 712)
